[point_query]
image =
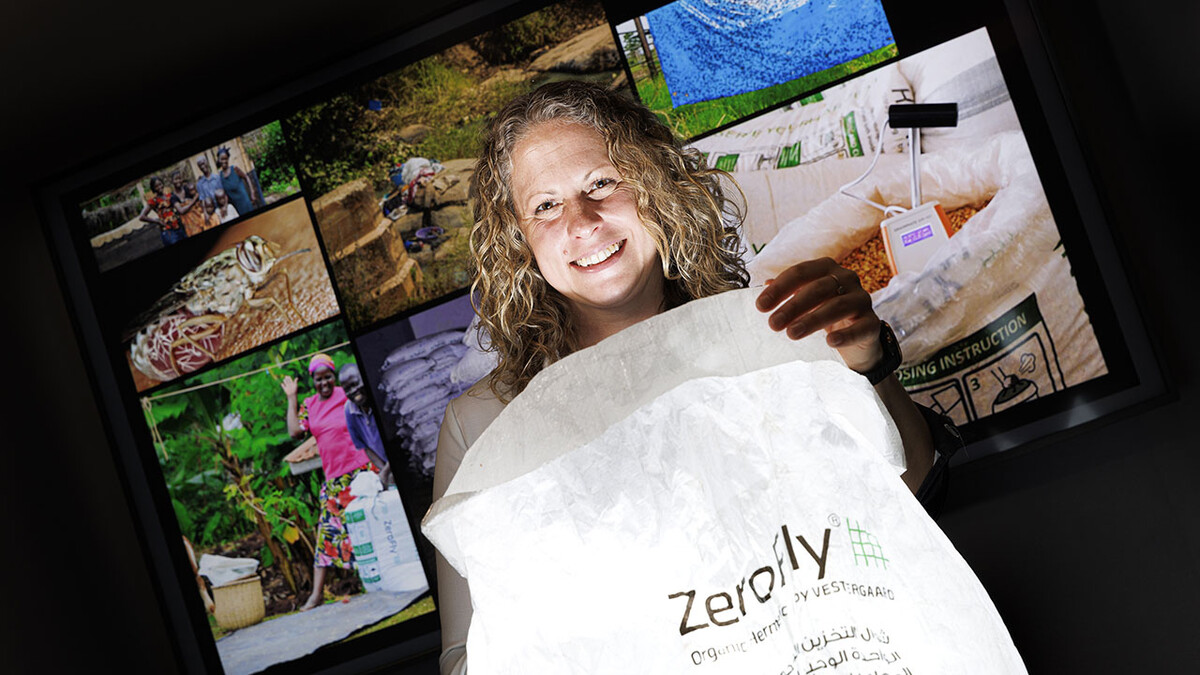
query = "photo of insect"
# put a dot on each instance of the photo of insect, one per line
(185, 328)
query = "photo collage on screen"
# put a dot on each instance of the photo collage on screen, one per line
(216, 296)
(339, 230)
(990, 315)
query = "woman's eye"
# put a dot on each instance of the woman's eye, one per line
(601, 183)
(543, 207)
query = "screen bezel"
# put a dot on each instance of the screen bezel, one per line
(1138, 379)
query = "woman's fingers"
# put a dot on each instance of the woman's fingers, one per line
(792, 279)
(820, 294)
(832, 310)
(289, 385)
(818, 303)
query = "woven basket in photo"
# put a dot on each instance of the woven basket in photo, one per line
(239, 604)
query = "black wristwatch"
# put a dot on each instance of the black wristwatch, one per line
(891, 356)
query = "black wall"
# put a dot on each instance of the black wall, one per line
(1089, 544)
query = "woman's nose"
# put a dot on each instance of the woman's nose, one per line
(583, 218)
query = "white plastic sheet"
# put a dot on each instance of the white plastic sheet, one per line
(222, 570)
(687, 496)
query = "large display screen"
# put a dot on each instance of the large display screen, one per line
(210, 270)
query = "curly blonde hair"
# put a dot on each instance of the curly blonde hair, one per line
(682, 204)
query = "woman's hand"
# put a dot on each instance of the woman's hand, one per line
(820, 294)
(290, 386)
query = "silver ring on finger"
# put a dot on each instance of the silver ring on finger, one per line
(841, 289)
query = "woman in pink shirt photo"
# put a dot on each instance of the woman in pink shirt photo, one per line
(322, 415)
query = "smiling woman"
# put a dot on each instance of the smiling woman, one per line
(582, 223)
(591, 217)
(577, 154)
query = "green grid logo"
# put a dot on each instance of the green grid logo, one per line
(727, 162)
(865, 546)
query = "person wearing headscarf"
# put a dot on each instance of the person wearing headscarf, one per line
(323, 415)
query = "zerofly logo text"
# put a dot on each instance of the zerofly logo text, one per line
(720, 608)
(761, 582)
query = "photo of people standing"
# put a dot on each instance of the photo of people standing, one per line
(257, 458)
(324, 416)
(237, 176)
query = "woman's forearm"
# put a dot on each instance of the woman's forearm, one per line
(249, 185)
(914, 432)
(293, 419)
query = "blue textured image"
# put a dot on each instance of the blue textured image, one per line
(715, 48)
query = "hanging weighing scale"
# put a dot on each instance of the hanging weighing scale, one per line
(911, 236)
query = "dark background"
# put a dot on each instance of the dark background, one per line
(1088, 544)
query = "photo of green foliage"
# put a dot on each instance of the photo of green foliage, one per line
(268, 151)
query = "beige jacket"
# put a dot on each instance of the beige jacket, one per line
(466, 418)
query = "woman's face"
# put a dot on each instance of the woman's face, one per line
(583, 225)
(157, 186)
(324, 382)
(223, 160)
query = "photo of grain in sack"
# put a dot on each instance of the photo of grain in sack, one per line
(994, 318)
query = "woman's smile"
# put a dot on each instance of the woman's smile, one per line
(582, 224)
(596, 261)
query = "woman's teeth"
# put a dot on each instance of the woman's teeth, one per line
(599, 256)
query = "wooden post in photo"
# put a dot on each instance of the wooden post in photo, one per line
(641, 31)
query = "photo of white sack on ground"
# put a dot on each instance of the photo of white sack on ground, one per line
(416, 367)
(989, 316)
